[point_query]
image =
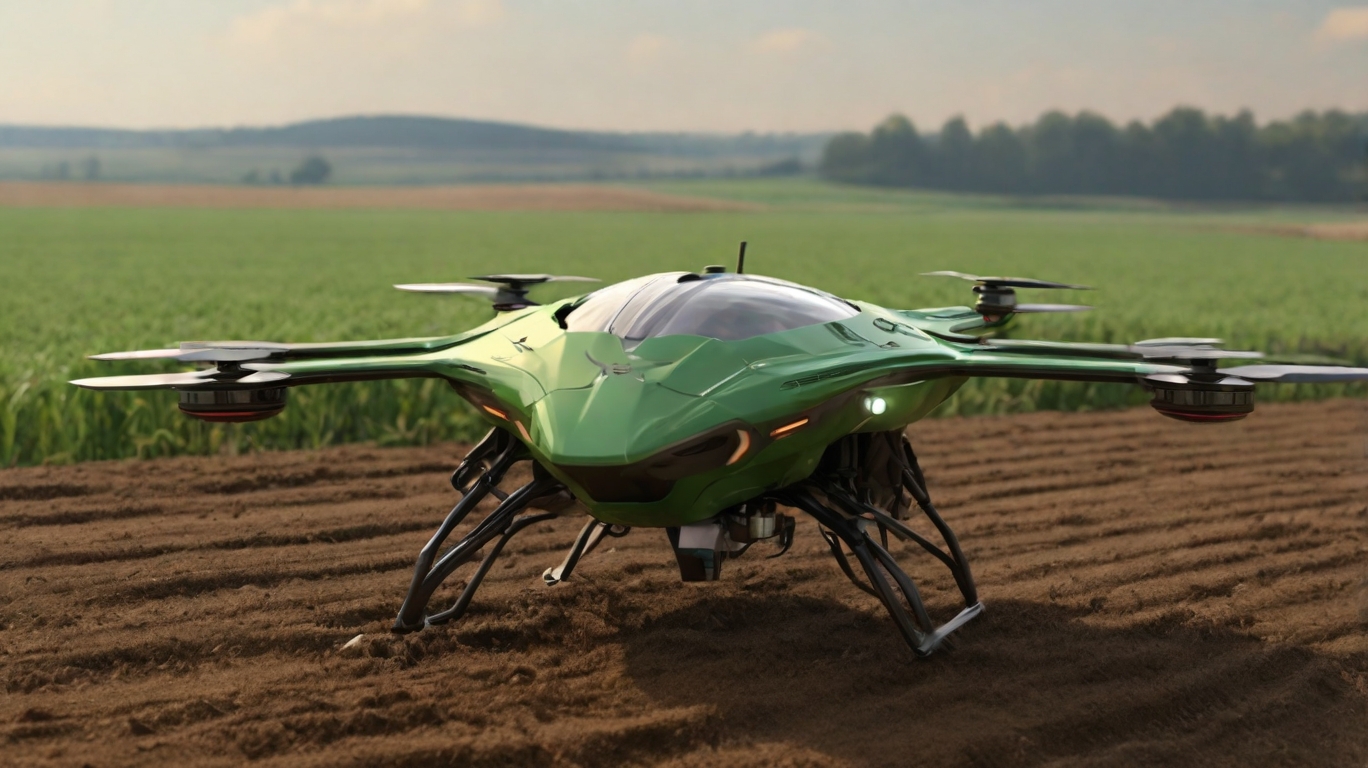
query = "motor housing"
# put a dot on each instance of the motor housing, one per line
(233, 405)
(1201, 398)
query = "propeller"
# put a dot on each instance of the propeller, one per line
(192, 379)
(1006, 282)
(506, 292)
(204, 352)
(1191, 353)
(1180, 341)
(1298, 374)
(1041, 308)
(997, 297)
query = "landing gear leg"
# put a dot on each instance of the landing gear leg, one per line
(491, 460)
(589, 537)
(845, 518)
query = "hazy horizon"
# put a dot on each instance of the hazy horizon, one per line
(709, 67)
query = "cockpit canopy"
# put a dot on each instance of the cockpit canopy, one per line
(724, 306)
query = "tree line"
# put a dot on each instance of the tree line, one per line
(1185, 155)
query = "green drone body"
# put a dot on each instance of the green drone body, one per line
(697, 402)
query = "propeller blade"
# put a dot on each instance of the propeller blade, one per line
(1180, 341)
(148, 381)
(139, 354)
(469, 288)
(218, 355)
(520, 280)
(187, 380)
(236, 344)
(1006, 282)
(1037, 308)
(203, 352)
(1298, 374)
(1193, 353)
(262, 377)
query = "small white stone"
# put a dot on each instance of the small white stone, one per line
(352, 643)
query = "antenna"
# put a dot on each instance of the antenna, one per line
(741, 259)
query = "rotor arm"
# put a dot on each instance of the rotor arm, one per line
(235, 390)
(1057, 368)
(1181, 375)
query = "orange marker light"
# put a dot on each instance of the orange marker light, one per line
(788, 428)
(523, 431)
(740, 448)
(495, 411)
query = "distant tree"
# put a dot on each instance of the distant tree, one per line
(898, 158)
(1184, 143)
(1095, 145)
(954, 161)
(999, 160)
(90, 168)
(1138, 173)
(314, 170)
(1185, 154)
(791, 166)
(60, 170)
(1236, 163)
(251, 177)
(846, 158)
(1050, 154)
(275, 176)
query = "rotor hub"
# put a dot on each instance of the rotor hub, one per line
(994, 301)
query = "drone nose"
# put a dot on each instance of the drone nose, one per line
(616, 420)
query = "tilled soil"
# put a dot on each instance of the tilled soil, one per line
(473, 197)
(1156, 593)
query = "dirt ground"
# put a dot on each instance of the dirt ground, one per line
(1156, 593)
(490, 197)
(1341, 230)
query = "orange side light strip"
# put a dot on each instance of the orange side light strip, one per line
(741, 448)
(495, 411)
(523, 431)
(787, 428)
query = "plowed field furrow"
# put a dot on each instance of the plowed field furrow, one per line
(1156, 593)
(1009, 451)
(1089, 474)
(1145, 541)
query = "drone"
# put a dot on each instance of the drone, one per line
(717, 405)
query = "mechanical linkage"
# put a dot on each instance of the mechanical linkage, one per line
(861, 487)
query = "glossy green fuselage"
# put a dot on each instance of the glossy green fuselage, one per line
(585, 400)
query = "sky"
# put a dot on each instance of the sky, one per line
(671, 65)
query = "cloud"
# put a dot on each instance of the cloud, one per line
(1344, 24)
(479, 13)
(303, 17)
(789, 40)
(644, 48)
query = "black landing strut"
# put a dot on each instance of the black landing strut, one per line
(860, 486)
(478, 476)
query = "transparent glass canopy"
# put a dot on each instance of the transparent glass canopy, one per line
(728, 307)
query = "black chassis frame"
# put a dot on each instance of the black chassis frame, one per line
(844, 496)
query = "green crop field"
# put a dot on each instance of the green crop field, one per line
(80, 281)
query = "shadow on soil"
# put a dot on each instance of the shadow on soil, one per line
(1028, 684)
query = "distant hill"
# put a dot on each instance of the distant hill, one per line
(394, 149)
